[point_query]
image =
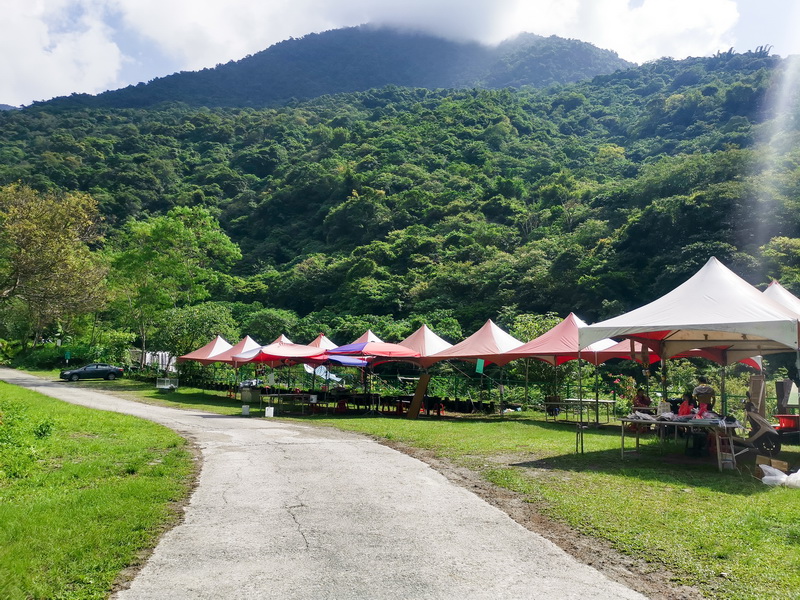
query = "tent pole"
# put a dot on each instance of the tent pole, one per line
(580, 387)
(500, 392)
(527, 398)
(596, 397)
(579, 430)
(722, 394)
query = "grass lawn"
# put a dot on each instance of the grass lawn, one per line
(726, 533)
(82, 494)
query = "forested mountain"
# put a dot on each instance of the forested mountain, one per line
(361, 58)
(408, 203)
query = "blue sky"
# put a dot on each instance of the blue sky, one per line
(58, 47)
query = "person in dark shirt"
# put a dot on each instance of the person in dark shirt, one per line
(704, 393)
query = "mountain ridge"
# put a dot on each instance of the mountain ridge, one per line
(361, 58)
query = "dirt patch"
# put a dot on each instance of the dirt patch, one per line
(652, 580)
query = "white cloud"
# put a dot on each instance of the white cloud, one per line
(54, 47)
(656, 28)
(63, 46)
(204, 33)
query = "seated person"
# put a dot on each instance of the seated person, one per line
(641, 400)
(704, 393)
(687, 404)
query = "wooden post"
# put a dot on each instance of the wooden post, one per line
(419, 394)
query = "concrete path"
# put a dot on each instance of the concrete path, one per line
(289, 511)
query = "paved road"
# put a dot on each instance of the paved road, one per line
(290, 511)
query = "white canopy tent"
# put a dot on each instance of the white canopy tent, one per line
(714, 308)
(783, 296)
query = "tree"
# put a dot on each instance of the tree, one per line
(46, 259)
(181, 330)
(267, 324)
(167, 262)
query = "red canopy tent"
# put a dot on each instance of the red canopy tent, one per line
(374, 350)
(280, 353)
(204, 355)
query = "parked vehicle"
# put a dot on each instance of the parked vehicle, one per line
(763, 437)
(93, 371)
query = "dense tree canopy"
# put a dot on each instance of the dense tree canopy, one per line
(380, 208)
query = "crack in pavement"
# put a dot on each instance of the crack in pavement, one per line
(290, 509)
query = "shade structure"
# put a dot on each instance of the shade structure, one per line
(426, 343)
(244, 345)
(367, 336)
(714, 308)
(203, 355)
(282, 339)
(345, 361)
(281, 353)
(324, 342)
(489, 341)
(557, 345)
(781, 295)
(374, 349)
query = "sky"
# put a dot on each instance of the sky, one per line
(58, 47)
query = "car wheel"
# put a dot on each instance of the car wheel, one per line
(74, 377)
(111, 376)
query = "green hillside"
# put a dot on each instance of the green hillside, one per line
(361, 58)
(411, 204)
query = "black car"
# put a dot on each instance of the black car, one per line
(93, 371)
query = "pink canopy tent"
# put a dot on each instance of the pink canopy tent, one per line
(244, 345)
(324, 342)
(426, 343)
(205, 354)
(560, 344)
(367, 336)
(486, 343)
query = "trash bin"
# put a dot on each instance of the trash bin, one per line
(269, 411)
(245, 410)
